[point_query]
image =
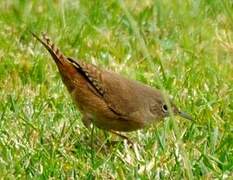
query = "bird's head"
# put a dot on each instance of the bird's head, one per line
(161, 108)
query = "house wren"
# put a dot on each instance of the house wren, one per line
(107, 99)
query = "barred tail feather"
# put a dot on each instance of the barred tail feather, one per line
(53, 50)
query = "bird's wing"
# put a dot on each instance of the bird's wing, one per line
(123, 95)
(115, 90)
(92, 74)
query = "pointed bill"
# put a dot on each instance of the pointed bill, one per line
(185, 115)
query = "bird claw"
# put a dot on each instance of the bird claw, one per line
(128, 140)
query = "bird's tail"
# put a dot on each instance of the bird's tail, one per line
(65, 66)
(58, 57)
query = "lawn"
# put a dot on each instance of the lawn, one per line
(184, 47)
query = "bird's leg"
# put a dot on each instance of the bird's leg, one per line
(86, 121)
(122, 136)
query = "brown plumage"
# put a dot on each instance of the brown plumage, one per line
(107, 99)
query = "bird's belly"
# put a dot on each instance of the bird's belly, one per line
(88, 103)
(117, 124)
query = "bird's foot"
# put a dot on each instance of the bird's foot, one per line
(128, 140)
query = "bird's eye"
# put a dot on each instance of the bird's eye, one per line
(164, 108)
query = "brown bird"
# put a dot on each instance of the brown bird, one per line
(107, 99)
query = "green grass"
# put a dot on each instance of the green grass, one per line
(185, 46)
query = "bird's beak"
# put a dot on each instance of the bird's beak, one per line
(185, 115)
